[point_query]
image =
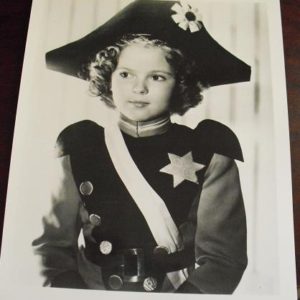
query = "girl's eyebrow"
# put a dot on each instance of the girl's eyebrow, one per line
(151, 71)
(161, 71)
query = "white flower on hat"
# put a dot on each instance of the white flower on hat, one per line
(186, 16)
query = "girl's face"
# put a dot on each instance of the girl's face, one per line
(143, 82)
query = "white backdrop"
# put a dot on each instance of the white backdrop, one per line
(49, 101)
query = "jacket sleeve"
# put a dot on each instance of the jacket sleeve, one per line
(57, 247)
(221, 239)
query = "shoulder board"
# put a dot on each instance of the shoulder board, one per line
(218, 138)
(78, 137)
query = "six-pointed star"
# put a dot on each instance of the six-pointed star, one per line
(182, 168)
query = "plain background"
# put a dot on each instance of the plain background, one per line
(50, 101)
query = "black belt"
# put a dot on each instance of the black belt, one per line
(136, 269)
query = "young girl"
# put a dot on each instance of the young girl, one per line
(159, 204)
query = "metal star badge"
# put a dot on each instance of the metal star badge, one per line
(182, 168)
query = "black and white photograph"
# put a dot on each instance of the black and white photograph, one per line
(151, 154)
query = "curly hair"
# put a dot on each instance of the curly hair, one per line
(187, 92)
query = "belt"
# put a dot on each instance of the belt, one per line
(136, 269)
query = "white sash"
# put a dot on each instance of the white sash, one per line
(153, 208)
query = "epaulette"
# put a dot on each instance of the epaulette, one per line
(80, 136)
(218, 138)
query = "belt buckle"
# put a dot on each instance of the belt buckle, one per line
(133, 265)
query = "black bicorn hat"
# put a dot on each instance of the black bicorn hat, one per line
(177, 23)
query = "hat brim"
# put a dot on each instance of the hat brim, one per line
(215, 65)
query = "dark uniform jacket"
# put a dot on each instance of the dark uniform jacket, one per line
(88, 194)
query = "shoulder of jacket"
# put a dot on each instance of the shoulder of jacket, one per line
(218, 138)
(77, 136)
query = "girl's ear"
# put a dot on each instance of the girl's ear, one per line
(180, 80)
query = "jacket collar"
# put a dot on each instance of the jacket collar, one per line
(145, 128)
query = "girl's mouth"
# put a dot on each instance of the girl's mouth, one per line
(138, 104)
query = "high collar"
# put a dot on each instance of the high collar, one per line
(145, 128)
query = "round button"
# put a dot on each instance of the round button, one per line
(161, 250)
(105, 247)
(115, 282)
(86, 188)
(95, 219)
(150, 284)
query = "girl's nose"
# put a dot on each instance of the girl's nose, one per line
(140, 86)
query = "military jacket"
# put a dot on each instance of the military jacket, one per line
(88, 195)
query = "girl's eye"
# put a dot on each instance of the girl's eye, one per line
(158, 77)
(124, 74)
